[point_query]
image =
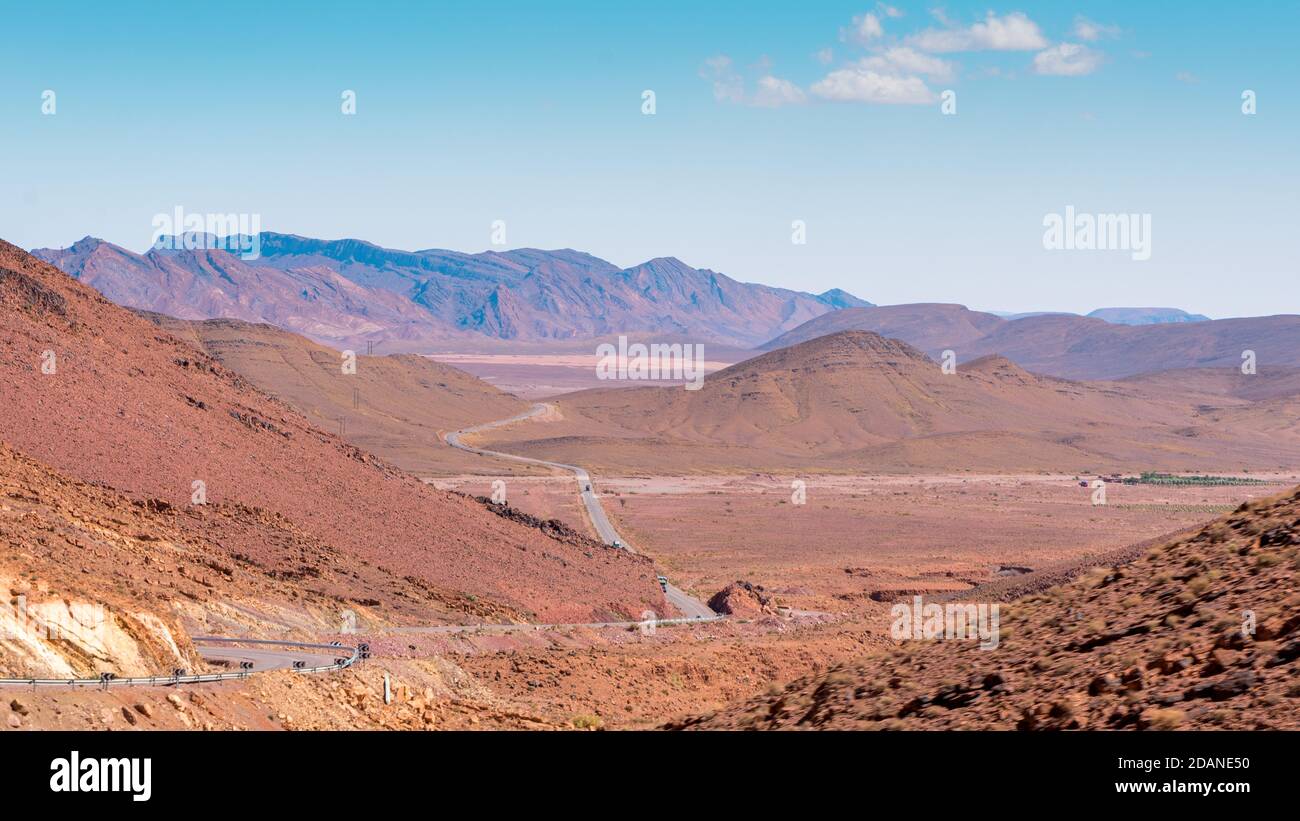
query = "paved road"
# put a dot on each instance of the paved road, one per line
(319, 658)
(532, 628)
(263, 659)
(322, 657)
(688, 606)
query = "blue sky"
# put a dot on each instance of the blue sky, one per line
(827, 113)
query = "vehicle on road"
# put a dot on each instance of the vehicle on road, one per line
(663, 582)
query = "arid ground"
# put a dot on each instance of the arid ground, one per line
(193, 478)
(538, 375)
(858, 545)
(863, 539)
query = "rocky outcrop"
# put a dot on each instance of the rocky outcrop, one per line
(743, 599)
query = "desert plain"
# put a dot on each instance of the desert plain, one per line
(839, 561)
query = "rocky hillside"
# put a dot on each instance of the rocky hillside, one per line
(1200, 633)
(395, 406)
(92, 581)
(104, 396)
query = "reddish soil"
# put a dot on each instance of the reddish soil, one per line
(1199, 633)
(637, 681)
(134, 408)
(298, 524)
(396, 407)
(544, 497)
(859, 539)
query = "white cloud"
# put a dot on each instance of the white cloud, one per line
(904, 60)
(862, 85)
(1067, 60)
(1187, 77)
(728, 86)
(824, 55)
(888, 11)
(1012, 32)
(774, 92)
(1086, 29)
(866, 27)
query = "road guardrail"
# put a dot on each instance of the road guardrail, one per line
(107, 680)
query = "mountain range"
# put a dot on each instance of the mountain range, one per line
(1146, 316)
(346, 293)
(1120, 316)
(1068, 345)
(342, 292)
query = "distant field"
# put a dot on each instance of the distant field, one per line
(864, 535)
(534, 376)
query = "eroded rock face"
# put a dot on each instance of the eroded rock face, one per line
(47, 636)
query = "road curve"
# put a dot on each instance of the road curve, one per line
(313, 656)
(687, 605)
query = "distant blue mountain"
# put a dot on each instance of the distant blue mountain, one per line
(524, 294)
(1146, 316)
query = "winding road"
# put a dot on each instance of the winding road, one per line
(263, 655)
(688, 606)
